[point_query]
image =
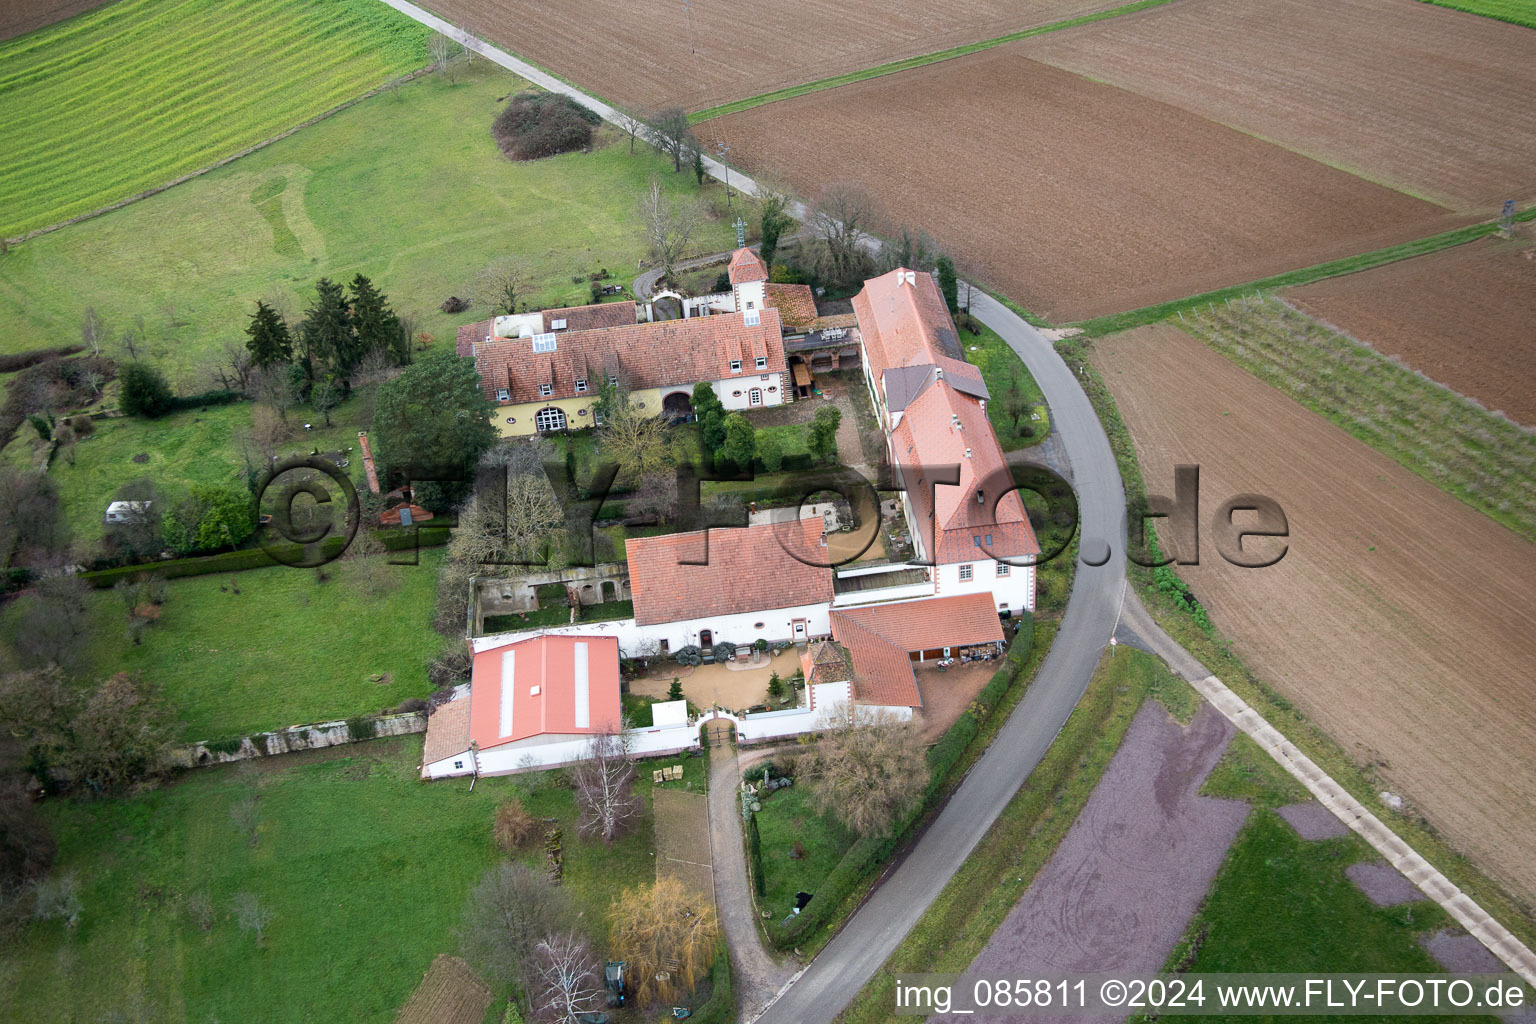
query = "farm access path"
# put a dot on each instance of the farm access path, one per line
(855, 954)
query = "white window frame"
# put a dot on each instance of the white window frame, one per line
(762, 362)
(545, 390)
(967, 572)
(1004, 569)
(503, 395)
(755, 396)
(557, 421)
(735, 365)
(581, 385)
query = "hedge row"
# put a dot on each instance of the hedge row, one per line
(869, 853)
(720, 1008)
(21, 360)
(219, 396)
(251, 558)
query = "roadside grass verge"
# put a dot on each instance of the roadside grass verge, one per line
(907, 64)
(1305, 275)
(135, 93)
(366, 868)
(1214, 651)
(244, 652)
(1460, 447)
(958, 924)
(1003, 371)
(1516, 12)
(406, 187)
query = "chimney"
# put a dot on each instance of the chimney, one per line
(938, 372)
(954, 422)
(968, 455)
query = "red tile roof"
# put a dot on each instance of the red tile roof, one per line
(577, 318)
(447, 731)
(937, 430)
(747, 569)
(882, 637)
(649, 355)
(545, 685)
(795, 303)
(825, 662)
(904, 321)
(746, 266)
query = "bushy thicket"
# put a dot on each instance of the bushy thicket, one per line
(539, 124)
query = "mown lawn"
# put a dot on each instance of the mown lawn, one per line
(283, 649)
(366, 867)
(789, 817)
(408, 188)
(1003, 370)
(135, 93)
(192, 447)
(1518, 12)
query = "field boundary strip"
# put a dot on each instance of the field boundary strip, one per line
(1511, 12)
(221, 162)
(1115, 322)
(1500, 941)
(908, 63)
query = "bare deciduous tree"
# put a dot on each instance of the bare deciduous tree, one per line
(499, 284)
(667, 935)
(231, 369)
(841, 221)
(251, 915)
(30, 514)
(508, 912)
(274, 386)
(514, 512)
(54, 623)
(367, 560)
(632, 125)
(58, 899)
(604, 784)
(442, 50)
(668, 224)
(513, 826)
(673, 135)
(566, 981)
(633, 437)
(93, 330)
(869, 768)
(245, 815)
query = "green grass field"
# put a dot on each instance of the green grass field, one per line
(138, 92)
(366, 867)
(1000, 369)
(789, 816)
(286, 650)
(1517, 12)
(407, 188)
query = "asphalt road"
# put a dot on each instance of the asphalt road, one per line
(873, 933)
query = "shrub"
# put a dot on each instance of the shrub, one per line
(22, 360)
(689, 655)
(144, 391)
(223, 745)
(723, 651)
(413, 706)
(540, 124)
(513, 826)
(675, 691)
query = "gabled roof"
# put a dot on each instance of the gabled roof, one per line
(447, 731)
(747, 569)
(549, 674)
(825, 662)
(904, 383)
(944, 428)
(648, 355)
(904, 321)
(746, 266)
(577, 318)
(881, 638)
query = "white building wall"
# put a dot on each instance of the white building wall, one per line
(1016, 590)
(745, 381)
(741, 629)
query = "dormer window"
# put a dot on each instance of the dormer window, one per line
(545, 390)
(503, 395)
(735, 365)
(581, 385)
(544, 342)
(557, 325)
(762, 362)
(753, 317)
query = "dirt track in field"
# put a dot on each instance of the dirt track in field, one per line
(1464, 317)
(649, 55)
(1122, 886)
(1434, 101)
(1400, 620)
(1075, 199)
(21, 16)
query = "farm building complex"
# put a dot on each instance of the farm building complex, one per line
(861, 627)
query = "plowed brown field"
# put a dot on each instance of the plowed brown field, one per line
(652, 54)
(1464, 317)
(1434, 101)
(1400, 620)
(19, 16)
(1076, 199)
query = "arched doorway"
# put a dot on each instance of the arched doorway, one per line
(718, 732)
(549, 419)
(667, 306)
(677, 407)
(706, 639)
